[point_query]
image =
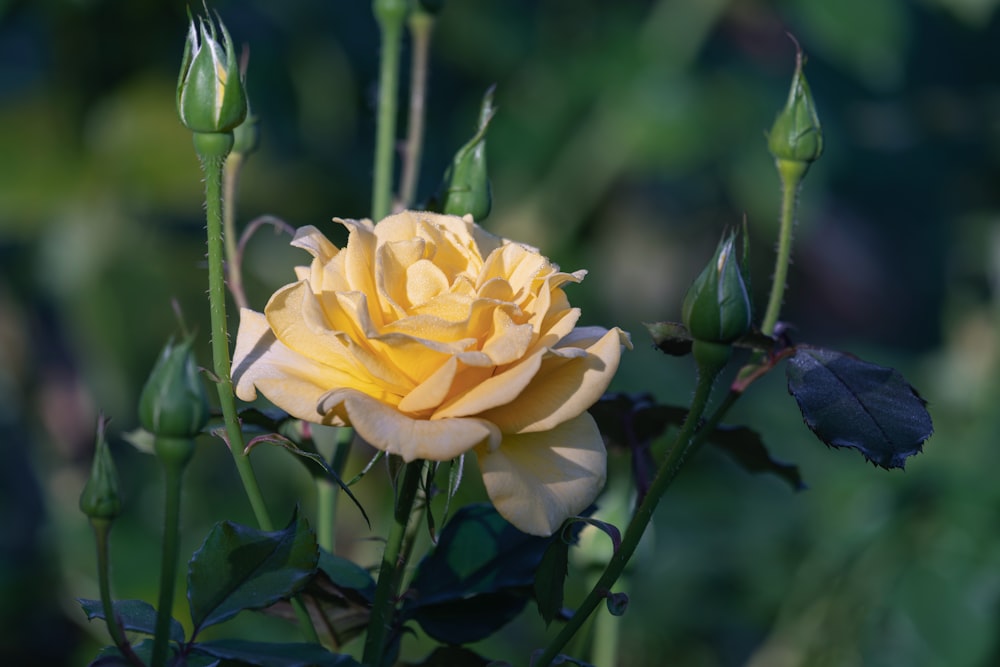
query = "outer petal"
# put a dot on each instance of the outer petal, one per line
(537, 480)
(289, 380)
(568, 382)
(385, 428)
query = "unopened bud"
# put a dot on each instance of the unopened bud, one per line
(210, 95)
(466, 183)
(717, 308)
(796, 135)
(174, 403)
(100, 499)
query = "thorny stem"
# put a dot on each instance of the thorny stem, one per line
(212, 152)
(791, 173)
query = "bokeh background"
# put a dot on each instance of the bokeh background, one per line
(629, 134)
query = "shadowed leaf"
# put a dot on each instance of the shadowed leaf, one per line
(478, 577)
(848, 402)
(239, 568)
(747, 448)
(266, 654)
(134, 616)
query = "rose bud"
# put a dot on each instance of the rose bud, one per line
(796, 135)
(466, 183)
(210, 95)
(717, 307)
(174, 403)
(100, 499)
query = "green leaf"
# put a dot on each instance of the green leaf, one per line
(550, 579)
(747, 448)
(240, 568)
(477, 579)
(134, 616)
(266, 654)
(848, 402)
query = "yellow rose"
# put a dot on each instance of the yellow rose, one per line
(433, 338)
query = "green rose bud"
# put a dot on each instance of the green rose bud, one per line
(796, 135)
(100, 499)
(174, 403)
(466, 183)
(210, 95)
(717, 307)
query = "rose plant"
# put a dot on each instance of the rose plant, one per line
(434, 338)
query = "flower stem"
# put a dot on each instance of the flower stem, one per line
(383, 605)
(173, 473)
(682, 446)
(102, 535)
(213, 150)
(421, 25)
(391, 24)
(234, 272)
(791, 174)
(221, 363)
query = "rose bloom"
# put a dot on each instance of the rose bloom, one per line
(434, 338)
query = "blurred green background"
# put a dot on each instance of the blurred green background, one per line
(628, 135)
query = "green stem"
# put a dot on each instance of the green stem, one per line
(383, 606)
(234, 273)
(221, 363)
(604, 648)
(102, 535)
(682, 446)
(212, 149)
(421, 28)
(391, 22)
(791, 174)
(173, 473)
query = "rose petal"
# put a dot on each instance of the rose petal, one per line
(289, 380)
(538, 480)
(385, 428)
(567, 383)
(494, 391)
(431, 392)
(301, 324)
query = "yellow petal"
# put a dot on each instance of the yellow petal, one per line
(298, 321)
(424, 281)
(385, 428)
(569, 381)
(289, 380)
(537, 480)
(431, 392)
(494, 391)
